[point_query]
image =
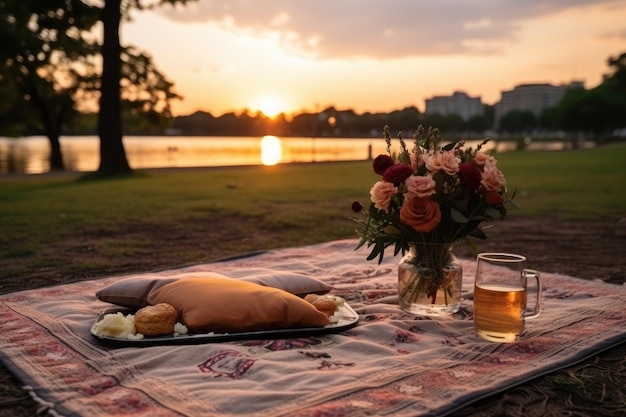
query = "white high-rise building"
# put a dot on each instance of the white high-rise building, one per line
(458, 103)
(531, 97)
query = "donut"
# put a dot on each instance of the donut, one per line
(155, 320)
(326, 305)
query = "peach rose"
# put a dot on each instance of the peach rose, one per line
(419, 186)
(446, 161)
(481, 158)
(422, 214)
(381, 194)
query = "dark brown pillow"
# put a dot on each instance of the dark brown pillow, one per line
(232, 306)
(133, 292)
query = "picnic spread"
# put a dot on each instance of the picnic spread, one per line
(373, 359)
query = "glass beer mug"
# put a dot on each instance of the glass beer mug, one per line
(500, 295)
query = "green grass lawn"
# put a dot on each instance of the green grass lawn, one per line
(583, 184)
(302, 203)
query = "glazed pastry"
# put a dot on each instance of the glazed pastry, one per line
(155, 320)
(326, 305)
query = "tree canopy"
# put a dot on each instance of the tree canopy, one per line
(51, 70)
(48, 62)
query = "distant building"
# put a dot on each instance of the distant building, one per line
(458, 103)
(531, 97)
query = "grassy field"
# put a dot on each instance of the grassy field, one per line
(247, 208)
(583, 184)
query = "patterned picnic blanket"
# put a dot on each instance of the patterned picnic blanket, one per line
(391, 363)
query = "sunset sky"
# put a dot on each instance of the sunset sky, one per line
(372, 55)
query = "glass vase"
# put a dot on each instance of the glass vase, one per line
(430, 280)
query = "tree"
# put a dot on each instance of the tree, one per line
(146, 93)
(518, 121)
(478, 123)
(448, 124)
(112, 155)
(50, 63)
(47, 59)
(617, 79)
(600, 109)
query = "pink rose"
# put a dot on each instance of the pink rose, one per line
(422, 214)
(419, 186)
(381, 194)
(397, 173)
(446, 161)
(491, 177)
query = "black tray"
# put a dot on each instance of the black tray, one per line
(348, 319)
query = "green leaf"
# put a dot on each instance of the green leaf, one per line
(449, 146)
(478, 233)
(493, 213)
(457, 216)
(373, 254)
(398, 247)
(514, 205)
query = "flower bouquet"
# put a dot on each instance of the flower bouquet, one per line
(429, 198)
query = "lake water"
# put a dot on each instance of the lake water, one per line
(81, 153)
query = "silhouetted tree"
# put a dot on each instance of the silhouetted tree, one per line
(112, 155)
(600, 109)
(617, 80)
(549, 118)
(478, 123)
(47, 57)
(518, 121)
(448, 124)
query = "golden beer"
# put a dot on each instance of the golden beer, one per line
(498, 311)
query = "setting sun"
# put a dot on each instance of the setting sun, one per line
(270, 106)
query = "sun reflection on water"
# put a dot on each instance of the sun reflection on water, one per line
(271, 150)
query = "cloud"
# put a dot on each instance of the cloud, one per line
(377, 29)
(613, 36)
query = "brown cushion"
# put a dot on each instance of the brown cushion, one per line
(133, 292)
(232, 306)
(292, 282)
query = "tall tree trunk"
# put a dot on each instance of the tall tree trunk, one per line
(56, 158)
(112, 154)
(52, 127)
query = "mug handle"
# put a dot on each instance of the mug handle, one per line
(531, 273)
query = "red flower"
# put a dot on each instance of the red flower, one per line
(397, 173)
(470, 175)
(357, 207)
(381, 163)
(422, 214)
(493, 198)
